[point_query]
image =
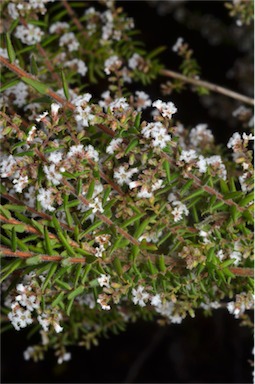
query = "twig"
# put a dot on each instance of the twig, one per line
(206, 84)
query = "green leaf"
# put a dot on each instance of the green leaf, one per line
(162, 265)
(131, 145)
(33, 65)
(64, 240)
(10, 49)
(166, 167)
(58, 299)
(194, 194)
(37, 85)
(51, 272)
(90, 192)
(143, 226)
(34, 260)
(65, 85)
(5, 212)
(118, 266)
(20, 228)
(63, 284)
(76, 292)
(9, 85)
(48, 246)
(86, 272)
(132, 220)
(14, 240)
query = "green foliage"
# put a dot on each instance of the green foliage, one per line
(107, 219)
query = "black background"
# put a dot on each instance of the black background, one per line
(201, 350)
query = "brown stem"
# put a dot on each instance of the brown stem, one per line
(238, 271)
(210, 86)
(102, 217)
(30, 229)
(41, 214)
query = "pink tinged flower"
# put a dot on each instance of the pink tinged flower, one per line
(139, 296)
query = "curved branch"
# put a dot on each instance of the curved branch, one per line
(210, 86)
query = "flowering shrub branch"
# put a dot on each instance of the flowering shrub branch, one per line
(109, 216)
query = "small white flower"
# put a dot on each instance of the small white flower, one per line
(111, 64)
(166, 109)
(28, 353)
(134, 61)
(113, 146)
(55, 108)
(139, 296)
(20, 183)
(42, 116)
(31, 134)
(188, 156)
(156, 300)
(178, 44)
(104, 281)
(65, 357)
(69, 40)
(119, 104)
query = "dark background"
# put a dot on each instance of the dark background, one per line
(201, 350)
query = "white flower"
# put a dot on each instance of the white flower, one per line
(235, 140)
(220, 254)
(139, 296)
(178, 44)
(158, 133)
(142, 100)
(119, 104)
(28, 353)
(96, 205)
(29, 34)
(65, 357)
(55, 157)
(201, 135)
(123, 175)
(236, 256)
(179, 210)
(55, 108)
(134, 61)
(166, 109)
(111, 64)
(75, 150)
(7, 166)
(83, 115)
(104, 281)
(144, 193)
(101, 301)
(69, 40)
(52, 175)
(46, 199)
(188, 156)
(42, 116)
(81, 67)
(31, 134)
(113, 146)
(57, 327)
(156, 300)
(91, 153)
(58, 27)
(248, 137)
(20, 183)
